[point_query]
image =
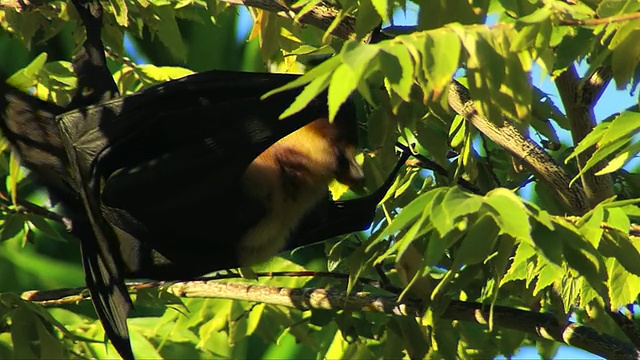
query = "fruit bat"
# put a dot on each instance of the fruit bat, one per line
(144, 177)
(189, 177)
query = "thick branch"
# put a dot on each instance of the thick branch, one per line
(508, 137)
(627, 326)
(578, 102)
(544, 325)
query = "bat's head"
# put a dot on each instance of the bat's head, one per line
(340, 148)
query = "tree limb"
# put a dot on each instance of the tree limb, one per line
(512, 140)
(543, 325)
(578, 100)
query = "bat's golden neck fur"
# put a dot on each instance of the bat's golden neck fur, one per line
(289, 178)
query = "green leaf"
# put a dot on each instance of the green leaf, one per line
(541, 216)
(255, 314)
(610, 137)
(625, 155)
(540, 15)
(382, 7)
(457, 203)
(525, 38)
(317, 86)
(120, 11)
(440, 216)
(145, 349)
(617, 219)
(15, 175)
(518, 268)
(446, 338)
(547, 349)
(43, 225)
(367, 18)
(237, 322)
(510, 342)
(601, 154)
(623, 286)
(458, 132)
(409, 214)
(415, 342)
(343, 82)
(169, 32)
(548, 273)
(619, 246)
(569, 289)
(512, 215)
(438, 244)
(549, 243)
(398, 69)
(626, 57)
(504, 252)
(626, 125)
(582, 256)
(358, 56)
(25, 78)
(163, 73)
(50, 346)
(590, 140)
(418, 229)
(323, 70)
(23, 333)
(13, 226)
(590, 228)
(48, 318)
(441, 57)
(478, 243)
(544, 109)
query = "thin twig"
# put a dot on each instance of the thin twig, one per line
(31, 208)
(634, 230)
(602, 21)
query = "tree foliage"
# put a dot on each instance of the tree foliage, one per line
(484, 266)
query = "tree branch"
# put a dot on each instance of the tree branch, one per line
(512, 140)
(578, 99)
(603, 21)
(31, 208)
(543, 325)
(627, 326)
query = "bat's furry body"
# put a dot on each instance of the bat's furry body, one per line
(191, 176)
(160, 198)
(291, 177)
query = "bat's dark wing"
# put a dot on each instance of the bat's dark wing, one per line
(147, 174)
(29, 125)
(156, 168)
